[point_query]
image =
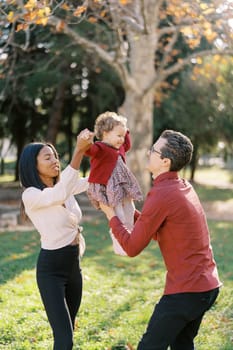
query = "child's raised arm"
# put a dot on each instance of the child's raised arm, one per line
(127, 142)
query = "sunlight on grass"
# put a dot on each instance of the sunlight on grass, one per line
(23, 322)
(119, 293)
(6, 178)
(213, 175)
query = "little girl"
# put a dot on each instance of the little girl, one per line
(110, 180)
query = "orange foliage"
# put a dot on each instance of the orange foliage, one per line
(92, 19)
(210, 69)
(65, 6)
(11, 17)
(125, 2)
(21, 26)
(79, 11)
(192, 17)
(60, 26)
(30, 5)
(34, 12)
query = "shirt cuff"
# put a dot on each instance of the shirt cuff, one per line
(114, 221)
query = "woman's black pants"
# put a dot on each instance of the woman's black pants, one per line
(59, 281)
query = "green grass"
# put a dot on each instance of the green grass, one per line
(212, 184)
(212, 193)
(119, 293)
(7, 178)
(213, 173)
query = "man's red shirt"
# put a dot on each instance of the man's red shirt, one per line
(173, 215)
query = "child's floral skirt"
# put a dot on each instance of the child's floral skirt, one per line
(122, 184)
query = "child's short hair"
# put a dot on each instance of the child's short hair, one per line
(106, 122)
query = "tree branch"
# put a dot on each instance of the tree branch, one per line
(164, 74)
(93, 48)
(167, 50)
(194, 22)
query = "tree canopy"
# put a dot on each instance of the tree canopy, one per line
(137, 39)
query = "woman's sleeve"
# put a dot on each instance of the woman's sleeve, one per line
(82, 185)
(70, 183)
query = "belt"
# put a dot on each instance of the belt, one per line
(76, 238)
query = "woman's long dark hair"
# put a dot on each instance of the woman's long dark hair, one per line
(28, 173)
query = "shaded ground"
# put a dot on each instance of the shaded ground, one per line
(10, 202)
(10, 208)
(219, 210)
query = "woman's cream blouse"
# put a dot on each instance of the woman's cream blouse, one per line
(54, 211)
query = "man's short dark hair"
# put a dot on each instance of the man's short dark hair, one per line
(178, 149)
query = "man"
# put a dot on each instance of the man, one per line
(172, 215)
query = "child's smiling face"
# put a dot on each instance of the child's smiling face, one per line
(115, 137)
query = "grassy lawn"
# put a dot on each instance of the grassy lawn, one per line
(119, 292)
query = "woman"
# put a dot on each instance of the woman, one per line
(49, 202)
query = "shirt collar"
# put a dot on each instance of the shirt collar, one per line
(168, 175)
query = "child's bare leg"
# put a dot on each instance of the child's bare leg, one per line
(128, 209)
(125, 212)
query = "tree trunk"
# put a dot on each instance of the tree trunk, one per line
(194, 162)
(56, 114)
(20, 141)
(139, 113)
(2, 171)
(138, 105)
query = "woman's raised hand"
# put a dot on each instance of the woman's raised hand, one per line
(84, 140)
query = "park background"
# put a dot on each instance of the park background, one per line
(162, 64)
